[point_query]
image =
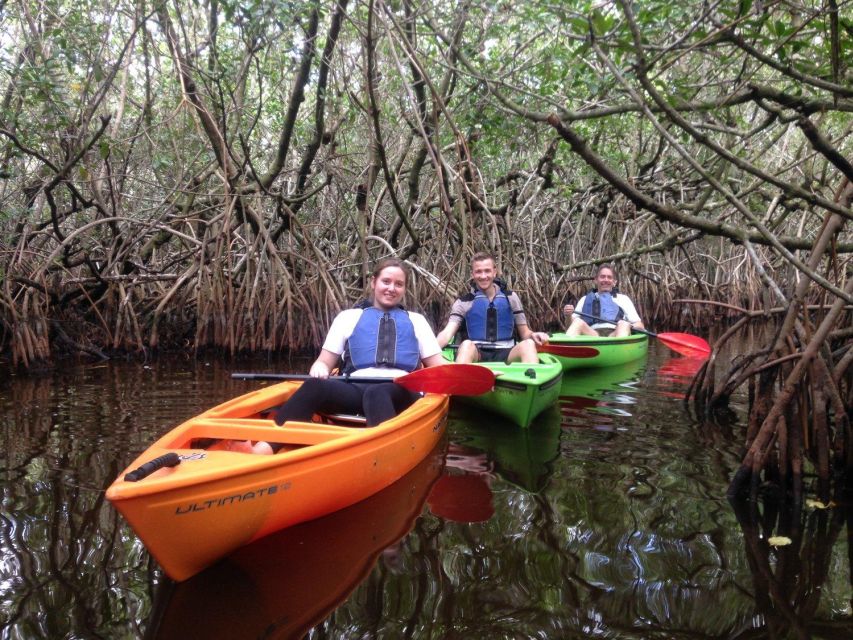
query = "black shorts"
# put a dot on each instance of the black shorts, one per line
(493, 354)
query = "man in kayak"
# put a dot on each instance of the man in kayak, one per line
(604, 302)
(381, 339)
(492, 315)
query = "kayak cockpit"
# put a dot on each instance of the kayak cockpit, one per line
(206, 433)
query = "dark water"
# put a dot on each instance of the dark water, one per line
(606, 518)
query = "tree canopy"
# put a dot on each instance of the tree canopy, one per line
(216, 172)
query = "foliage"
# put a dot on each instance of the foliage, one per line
(258, 155)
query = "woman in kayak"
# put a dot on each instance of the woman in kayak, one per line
(376, 339)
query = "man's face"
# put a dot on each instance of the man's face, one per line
(605, 281)
(484, 272)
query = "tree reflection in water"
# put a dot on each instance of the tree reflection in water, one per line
(788, 548)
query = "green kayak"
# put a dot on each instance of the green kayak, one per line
(583, 352)
(522, 391)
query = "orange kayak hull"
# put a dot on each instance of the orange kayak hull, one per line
(290, 581)
(215, 501)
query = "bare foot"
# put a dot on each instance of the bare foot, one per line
(262, 448)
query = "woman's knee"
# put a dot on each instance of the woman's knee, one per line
(378, 403)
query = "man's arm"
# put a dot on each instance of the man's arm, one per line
(457, 315)
(631, 315)
(569, 310)
(446, 335)
(525, 332)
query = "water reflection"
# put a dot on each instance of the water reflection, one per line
(788, 548)
(606, 517)
(463, 493)
(600, 398)
(284, 584)
(520, 456)
(676, 374)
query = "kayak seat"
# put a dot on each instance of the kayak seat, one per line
(343, 419)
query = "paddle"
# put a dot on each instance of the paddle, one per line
(451, 379)
(684, 343)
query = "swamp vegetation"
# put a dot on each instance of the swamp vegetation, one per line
(221, 174)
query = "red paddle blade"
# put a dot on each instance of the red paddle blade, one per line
(685, 344)
(450, 379)
(567, 350)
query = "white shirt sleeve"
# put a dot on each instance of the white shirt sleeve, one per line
(341, 329)
(579, 308)
(627, 306)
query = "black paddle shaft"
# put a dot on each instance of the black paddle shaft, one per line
(305, 376)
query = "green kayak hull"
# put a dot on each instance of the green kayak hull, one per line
(605, 351)
(522, 391)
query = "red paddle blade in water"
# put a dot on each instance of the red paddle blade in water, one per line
(462, 498)
(685, 343)
(451, 379)
(567, 350)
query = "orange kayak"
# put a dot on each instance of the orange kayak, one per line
(283, 585)
(214, 501)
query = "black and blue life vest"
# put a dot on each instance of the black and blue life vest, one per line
(489, 320)
(593, 307)
(383, 339)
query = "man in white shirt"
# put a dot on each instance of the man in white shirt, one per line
(605, 304)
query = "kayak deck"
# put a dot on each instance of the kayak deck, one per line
(522, 390)
(610, 350)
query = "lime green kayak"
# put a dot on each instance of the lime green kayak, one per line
(583, 352)
(522, 391)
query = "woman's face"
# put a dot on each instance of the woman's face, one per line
(389, 287)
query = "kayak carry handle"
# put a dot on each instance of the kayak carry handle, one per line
(170, 459)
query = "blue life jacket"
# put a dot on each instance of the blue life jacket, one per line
(601, 305)
(383, 339)
(489, 320)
